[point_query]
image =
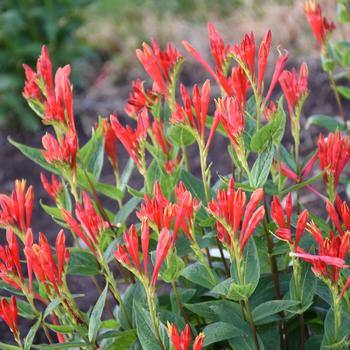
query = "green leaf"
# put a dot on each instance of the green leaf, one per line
(54, 212)
(194, 185)
(26, 310)
(103, 188)
(122, 340)
(220, 331)
(263, 311)
(332, 340)
(126, 210)
(180, 135)
(239, 292)
(82, 263)
(96, 313)
(31, 334)
(70, 345)
(314, 342)
(344, 91)
(52, 306)
(92, 153)
(307, 289)
(251, 267)
(325, 121)
(198, 274)
(144, 328)
(4, 346)
(61, 328)
(125, 177)
(173, 270)
(35, 155)
(271, 133)
(262, 166)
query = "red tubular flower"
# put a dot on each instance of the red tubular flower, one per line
(54, 188)
(158, 64)
(159, 135)
(199, 104)
(218, 49)
(61, 153)
(279, 67)
(110, 142)
(132, 139)
(282, 221)
(294, 88)
(40, 258)
(319, 25)
(163, 246)
(344, 212)
(246, 52)
(9, 313)
(334, 154)
(230, 210)
(54, 96)
(131, 249)
(92, 225)
(183, 341)
(139, 98)
(16, 211)
(158, 211)
(185, 208)
(345, 288)
(331, 253)
(263, 55)
(10, 264)
(229, 112)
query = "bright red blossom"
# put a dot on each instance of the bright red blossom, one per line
(229, 113)
(139, 98)
(199, 104)
(319, 24)
(294, 88)
(159, 65)
(283, 222)
(334, 154)
(160, 212)
(55, 95)
(9, 313)
(132, 139)
(90, 226)
(62, 153)
(182, 341)
(110, 142)
(40, 260)
(16, 210)
(54, 188)
(233, 214)
(10, 264)
(129, 257)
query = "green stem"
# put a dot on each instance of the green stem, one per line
(200, 256)
(185, 157)
(112, 284)
(337, 98)
(178, 301)
(153, 313)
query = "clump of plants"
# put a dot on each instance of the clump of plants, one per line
(228, 261)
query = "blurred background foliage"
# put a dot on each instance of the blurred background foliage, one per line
(25, 25)
(99, 37)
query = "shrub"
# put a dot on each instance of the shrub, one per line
(240, 263)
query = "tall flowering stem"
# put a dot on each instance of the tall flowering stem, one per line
(232, 215)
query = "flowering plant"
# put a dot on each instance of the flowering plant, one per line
(237, 261)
